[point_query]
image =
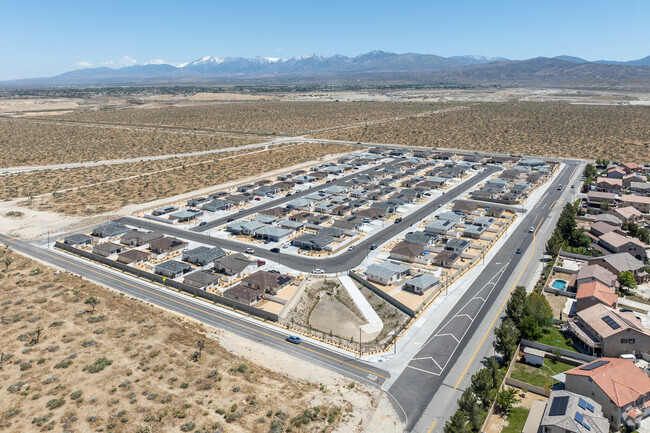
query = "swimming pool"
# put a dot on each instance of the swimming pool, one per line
(559, 284)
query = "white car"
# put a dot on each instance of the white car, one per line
(250, 251)
(318, 271)
(531, 229)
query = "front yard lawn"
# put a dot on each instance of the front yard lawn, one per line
(538, 376)
(516, 420)
(553, 337)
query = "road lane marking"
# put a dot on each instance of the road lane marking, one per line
(232, 322)
(489, 329)
(552, 204)
(432, 426)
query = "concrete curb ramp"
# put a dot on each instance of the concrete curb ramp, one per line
(374, 322)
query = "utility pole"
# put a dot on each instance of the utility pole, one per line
(359, 342)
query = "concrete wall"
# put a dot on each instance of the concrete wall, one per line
(385, 296)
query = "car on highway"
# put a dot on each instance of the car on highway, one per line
(202, 223)
(559, 187)
(398, 220)
(318, 271)
(373, 246)
(294, 339)
(288, 194)
(573, 186)
(275, 250)
(250, 251)
(518, 250)
(531, 229)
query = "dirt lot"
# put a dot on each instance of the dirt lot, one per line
(32, 142)
(617, 133)
(267, 117)
(142, 189)
(128, 367)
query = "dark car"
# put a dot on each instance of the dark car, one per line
(398, 220)
(518, 250)
(231, 219)
(294, 339)
(273, 271)
(275, 250)
(373, 246)
(202, 223)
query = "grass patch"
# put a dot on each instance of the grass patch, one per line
(516, 420)
(539, 376)
(553, 337)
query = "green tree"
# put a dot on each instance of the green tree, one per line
(468, 405)
(93, 302)
(537, 305)
(495, 371)
(554, 243)
(515, 306)
(627, 279)
(458, 423)
(507, 337)
(590, 171)
(505, 399)
(484, 387)
(604, 205)
(7, 261)
(529, 328)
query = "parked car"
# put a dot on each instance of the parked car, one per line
(202, 223)
(318, 271)
(275, 250)
(294, 339)
(268, 241)
(261, 263)
(373, 246)
(285, 246)
(573, 186)
(250, 251)
(257, 199)
(273, 271)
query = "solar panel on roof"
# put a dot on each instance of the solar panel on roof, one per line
(590, 407)
(582, 403)
(610, 322)
(581, 420)
(594, 365)
(558, 406)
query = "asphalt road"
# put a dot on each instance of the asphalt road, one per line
(206, 313)
(428, 369)
(341, 262)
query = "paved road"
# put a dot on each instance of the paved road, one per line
(206, 313)
(340, 262)
(427, 371)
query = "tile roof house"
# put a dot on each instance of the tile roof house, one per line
(166, 245)
(464, 207)
(593, 293)
(386, 273)
(590, 273)
(109, 230)
(441, 227)
(628, 214)
(605, 331)
(568, 412)
(201, 279)
(640, 203)
(136, 238)
(268, 282)
(601, 227)
(172, 269)
(640, 187)
(244, 295)
(311, 241)
(619, 386)
(617, 263)
(421, 283)
(406, 252)
(597, 197)
(608, 184)
(618, 243)
(616, 173)
(203, 255)
(631, 167)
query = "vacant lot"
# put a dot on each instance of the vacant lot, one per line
(268, 117)
(538, 128)
(111, 196)
(29, 142)
(129, 367)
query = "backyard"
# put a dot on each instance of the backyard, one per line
(539, 376)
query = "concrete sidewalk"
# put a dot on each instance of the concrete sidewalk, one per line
(374, 324)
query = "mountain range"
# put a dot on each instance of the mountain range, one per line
(372, 66)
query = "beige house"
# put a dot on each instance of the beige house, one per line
(617, 243)
(628, 214)
(619, 386)
(605, 331)
(639, 202)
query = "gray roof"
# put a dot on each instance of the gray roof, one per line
(318, 241)
(203, 254)
(623, 262)
(420, 238)
(235, 262)
(110, 229)
(423, 281)
(186, 213)
(335, 189)
(173, 266)
(217, 203)
(331, 231)
(299, 203)
(386, 269)
(478, 230)
(566, 417)
(443, 225)
(458, 243)
(451, 216)
(273, 231)
(202, 277)
(265, 219)
(484, 221)
(245, 225)
(77, 238)
(290, 224)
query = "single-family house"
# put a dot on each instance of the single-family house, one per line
(132, 257)
(107, 249)
(265, 190)
(300, 204)
(446, 258)
(247, 228)
(639, 202)
(172, 269)
(275, 212)
(631, 178)
(593, 293)
(568, 412)
(595, 198)
(196, 201)
(600, 228)
(244, 295)
(234, 266)
(386, 273)
(425, 239)
(202, 256)
(421, 283)
(617, 263)
(609, 184)
(290, 225)
(201, 279)
(268, 282)
(464, 207)
(591, 273)
(457, 245)
(163, 210)
(137, 238)
(110, 230)
(617, 243)
(78, 239)
(166, 244)
(631, 167)
(474, 231)
(370, 214)
(620, 387)
(640, 188)
(217, 205)
(239, 199)
(272, 233)
(485, 222)
(628, 214)
(406, 252)
(440, 227)
(245, 188)
(310, 241)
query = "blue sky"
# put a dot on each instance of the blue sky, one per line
(44, 38)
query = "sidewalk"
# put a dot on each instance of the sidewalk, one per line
(374, 324)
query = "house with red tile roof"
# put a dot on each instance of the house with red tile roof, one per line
(619, 386)
(616, 173)
(593, 293)
(631, 167)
